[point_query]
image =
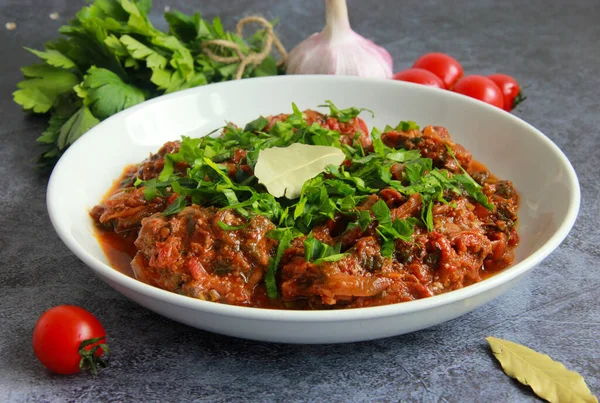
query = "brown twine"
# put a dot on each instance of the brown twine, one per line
(252, 57)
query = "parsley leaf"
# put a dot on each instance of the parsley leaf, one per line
(417, 170)
(390, 231)
(315, 250)
(345, 115)
(106, 94)
(427, 215)
(54, 58)
(406, 126)
(75, 127)
(181, 59)
(378, 144)
(405, 227)
(382, 214)
(473, 188)
(285, 237)
(331, 258)
(364, 219)
(226, 227)
(176, 206)
(139, 51)
(256, 125)
(186, 28)
(150, 191)
(43, 86)
(268, 67)
(404, 155)
(387, 248)
(50, 135)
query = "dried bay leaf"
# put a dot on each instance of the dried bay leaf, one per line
(283, 170)
(549, 379)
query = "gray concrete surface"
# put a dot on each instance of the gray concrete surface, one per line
(551, 46)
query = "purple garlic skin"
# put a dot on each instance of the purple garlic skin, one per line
(337, 49)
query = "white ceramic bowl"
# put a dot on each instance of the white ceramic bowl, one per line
(511, 148)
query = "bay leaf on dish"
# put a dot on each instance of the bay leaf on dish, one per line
(549, 379)
(283, 170)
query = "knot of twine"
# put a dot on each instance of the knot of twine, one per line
(251, 58)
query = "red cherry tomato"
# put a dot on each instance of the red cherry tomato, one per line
(420, 76)
(510, 89)
(66, 336)
(447, 68)
(481, 88)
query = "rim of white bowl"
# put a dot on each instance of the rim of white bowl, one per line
(337, 315)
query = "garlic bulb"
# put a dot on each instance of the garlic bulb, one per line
(337, 49)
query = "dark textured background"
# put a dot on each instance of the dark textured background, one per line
(552, 47)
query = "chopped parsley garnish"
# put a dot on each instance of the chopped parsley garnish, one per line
(344, 115)
(285, 237)
(390, 231)
(176, 206)
(227, 227)
(317, 252)
(215, 178)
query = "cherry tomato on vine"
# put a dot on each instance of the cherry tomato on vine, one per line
(68, 338)
(420, 76)
(481, 88)
(510, 89)
(447, 68)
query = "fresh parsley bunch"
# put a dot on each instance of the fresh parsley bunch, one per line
(110, 57)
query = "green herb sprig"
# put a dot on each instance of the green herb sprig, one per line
(111, 57)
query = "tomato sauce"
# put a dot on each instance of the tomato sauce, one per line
(118, 249)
